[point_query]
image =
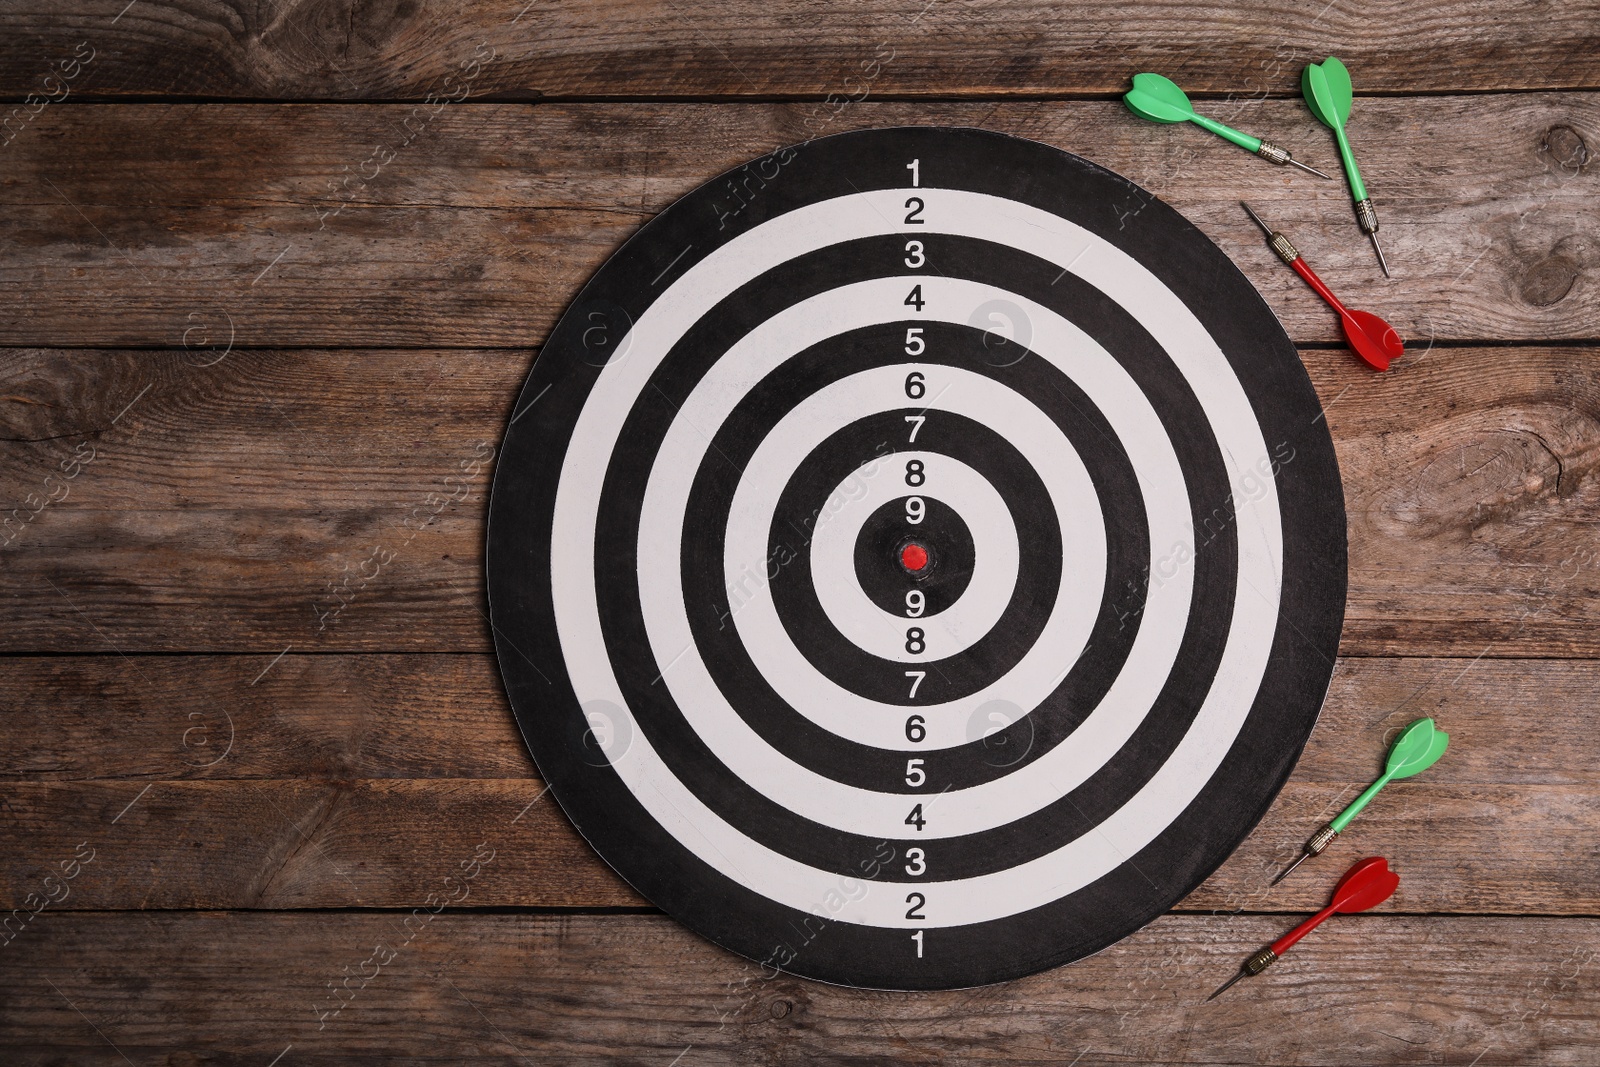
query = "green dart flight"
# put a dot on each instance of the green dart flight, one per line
(1327, 90)
(1418, 747)
(1160, 100)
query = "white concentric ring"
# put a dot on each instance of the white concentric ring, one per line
(995, 557)
(874, 814)
(1254, 611)
(793, 677)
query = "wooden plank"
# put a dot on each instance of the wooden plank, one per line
(345, 717)
(1478, 849)
(354, 51)
(179, 818)
(238, 507)
(312, 717)
(517, 989)
(333, 225)
(302, 843)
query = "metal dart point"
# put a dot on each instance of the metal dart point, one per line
(1276, 154)
(1253, 966)
(1367, 217)
(1314, 847)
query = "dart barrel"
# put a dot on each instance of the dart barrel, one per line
(1273, 153)
(1259, 962)
(1321, 840)
(1367, 215)
(1284, 247)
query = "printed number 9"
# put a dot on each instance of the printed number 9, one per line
(915, 604)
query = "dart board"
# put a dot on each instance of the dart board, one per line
(916, 558)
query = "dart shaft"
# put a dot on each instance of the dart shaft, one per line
(1358, 188)
(1343, 819)
(1243, 140)
(1287, 941)
(1304, 270)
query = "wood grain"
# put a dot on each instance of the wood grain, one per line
(176, 771)
(1477, 849)
(244, 361)
(235, 507)
(350, 50)
(160, 225)
(235, 988)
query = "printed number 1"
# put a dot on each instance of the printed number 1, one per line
(916, 173)
(917, 937)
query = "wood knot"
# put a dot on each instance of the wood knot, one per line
(781, 1008)
(1550, 279)
(1565, 147)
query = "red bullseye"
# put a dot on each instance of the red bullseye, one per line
(914, 557)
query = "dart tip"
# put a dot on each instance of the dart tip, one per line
(1287, 871)
(1264, 227)
(1313, 170)
(1376, 247)
(1224, 987)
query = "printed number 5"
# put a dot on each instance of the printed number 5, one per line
(915, 775)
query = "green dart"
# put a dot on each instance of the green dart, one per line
(1326, 86)
(1418, 747)
(1160, 100)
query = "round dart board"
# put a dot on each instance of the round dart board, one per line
(916, 558)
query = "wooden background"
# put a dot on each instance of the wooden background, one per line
(273, 273)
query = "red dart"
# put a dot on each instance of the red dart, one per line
(1370, 337)
(1366, 885)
